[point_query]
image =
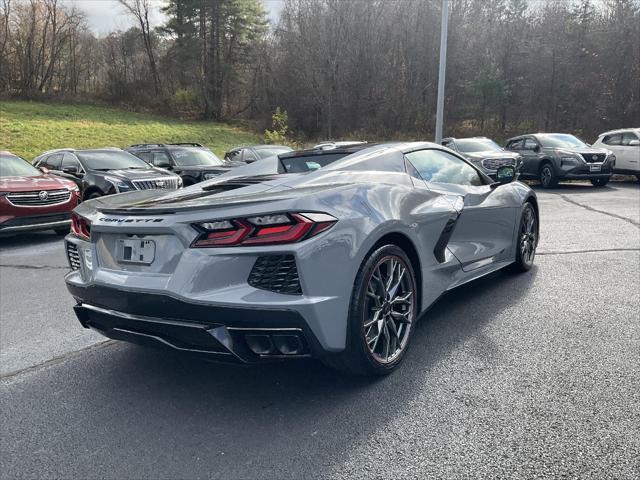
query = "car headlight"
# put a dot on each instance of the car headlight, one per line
(209, 176)
(118, 184)
(612, 158)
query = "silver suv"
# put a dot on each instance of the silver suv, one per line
(484, 153)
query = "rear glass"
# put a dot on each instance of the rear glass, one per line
(308, 163)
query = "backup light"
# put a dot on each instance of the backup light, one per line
(271, 229)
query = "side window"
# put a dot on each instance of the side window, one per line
(146, 156)
(249, 156)
(612, 139)
(627, 137)
(70, 160)
(441, 167)
(53, 162)
(161, 158)
(530, 144)
(515, 145)
(233, 155)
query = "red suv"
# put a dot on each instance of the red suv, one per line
(31, 199)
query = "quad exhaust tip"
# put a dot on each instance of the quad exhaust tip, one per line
(276, 344)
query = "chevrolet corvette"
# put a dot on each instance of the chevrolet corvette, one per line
(331, 254)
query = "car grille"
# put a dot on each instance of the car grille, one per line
(594, 157)
(166, 183)
(495, 163)
(276, 273)
(39, 198)
(73, 256)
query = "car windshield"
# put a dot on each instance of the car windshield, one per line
(470, 145)
(270, 152)
(308, 163)
(560, 140)
(14, 166)
(195, 156)
(111, 160)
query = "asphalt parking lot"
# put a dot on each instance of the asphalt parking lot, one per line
(511, 376)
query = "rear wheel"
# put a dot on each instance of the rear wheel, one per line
(548, 177)
(527, 239)
(382, 314)
(599, 182)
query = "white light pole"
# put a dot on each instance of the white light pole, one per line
(442, 71)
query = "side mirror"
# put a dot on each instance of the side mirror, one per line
(634, 143)
(72, 170)
(536, 149)
(505, 174)
(165, 165)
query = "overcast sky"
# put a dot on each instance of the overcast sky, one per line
(105, 16)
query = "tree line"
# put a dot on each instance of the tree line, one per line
(359, 68)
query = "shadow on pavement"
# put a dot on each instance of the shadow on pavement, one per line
(29, 239)
(125, 411)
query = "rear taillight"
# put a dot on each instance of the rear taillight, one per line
(80, 226)
(272, 229)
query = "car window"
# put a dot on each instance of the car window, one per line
(515, 144)
(53, 162)
(14, 166)
(612, 139)
(70, 160)
(188, 157)
(249, 156)
(110, 160)
(441, 167)
(530, 144)
(161, 158)
(471, 145)
(270, 152)
(146, 156)
(627, 137)
(308, 163)
(233, 155)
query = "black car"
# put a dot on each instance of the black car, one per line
(552, 157)
(103, 171)
(192, 161)
(484, 153)
(254, 153)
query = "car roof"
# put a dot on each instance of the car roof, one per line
(137, 146)
(620, 130)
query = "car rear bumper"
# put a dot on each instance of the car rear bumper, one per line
(220, 333)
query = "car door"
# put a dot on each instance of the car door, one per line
(72, 169)
(483, 231)
(612, 142)
(530, 156)
(630, 151)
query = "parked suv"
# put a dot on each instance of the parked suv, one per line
(254, 153)
(33, 200)
(625, 145)
(191, 161)
(484, 153)
(552, 157)
(104, 171)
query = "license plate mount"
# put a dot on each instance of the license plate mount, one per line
(595, 168)
(136, 251)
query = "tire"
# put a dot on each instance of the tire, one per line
(527, 240)
(638, 177)
(548, 177)
(62, 231)
(599, 182)
(372, 347)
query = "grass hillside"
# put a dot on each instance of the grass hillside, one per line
(30, 128)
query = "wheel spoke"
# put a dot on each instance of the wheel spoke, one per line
(376, 317)
(402, 317)
(402, 300)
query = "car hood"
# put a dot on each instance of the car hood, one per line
(580, 151)
(490, 154)
(136, 174)
(40, 182)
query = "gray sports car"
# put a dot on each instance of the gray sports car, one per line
(331, 254)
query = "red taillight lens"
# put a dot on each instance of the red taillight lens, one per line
(273, 229)
(80, 226)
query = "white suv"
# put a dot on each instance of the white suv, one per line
(625, 145)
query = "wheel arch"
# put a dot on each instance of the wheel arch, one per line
(406, 244)
(90, 190)
(188, 180)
